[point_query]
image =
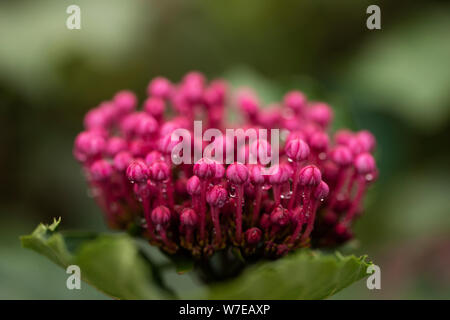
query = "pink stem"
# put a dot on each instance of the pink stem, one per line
(277, 194)
(294, 187)
(257, 206)
(240, 195)
(340, 183)
(203, 210)
(298, 228)
(312, 218)
(147, 214)
(216, 222)
(356, 202)
(189, 235)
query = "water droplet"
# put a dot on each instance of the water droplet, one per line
(266, 186)
(369, 177)
(232, 192)
(286, 194)
(322, 156)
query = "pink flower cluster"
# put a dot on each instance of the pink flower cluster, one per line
(311, 198)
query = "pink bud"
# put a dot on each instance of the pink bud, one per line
(154, 106)
(343, 136)
(297, 150)
(188, 218)
(96, 118)
(122, 160)
(220, 171)
(166, 144)
(193, 186)
(125, 101)
(260, 149)
(237, 173)
(248, 103)
(253, 235)
(277, 175)
(367, 140)
(310, 176)
(365, 163)
(153, 157)
(342, 156)
(100, 170)
(90, 144)
(321, 191)
(146, 125)
(194, 77)
(265, 221)
(115, 145)
(321, 114)
(295, 100)
(217, 196)
(159, 171)
(205, 168)
(161, 216)
(319, 141)
(160, 87)
(256, 174)
(295, 135)
(279, 216)
(137, 171)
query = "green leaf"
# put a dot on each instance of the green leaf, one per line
(302, 275)
(111, 263)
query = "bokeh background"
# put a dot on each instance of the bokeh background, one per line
(394, 82)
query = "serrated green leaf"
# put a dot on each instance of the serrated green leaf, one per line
(111, 263)
(302, 275)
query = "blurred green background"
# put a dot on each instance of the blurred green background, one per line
(394, 82)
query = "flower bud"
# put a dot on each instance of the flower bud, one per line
(321, 114)
(160, 87)
(146, 125)
(137, 171)
(237, 173)
(256, 174)
(115, 145)
(161, 216)
(122, 160)
(367, 140)
(193, 186)
(217, 196)
(321, 191)
(310, 176)
(253, 235)
(343, 136)
(153, 157)
(188, 218)
(342, 156)
(295, 100)
(90, 144)
(279, 216)
(219, 170)
(297, 150)
(100, 170)
(159, 171)
(248, 103)
(277, 175)
(319, 141)
(125, 101)
(154, 107)
(205, 168)
(365, 163)
(265, 221)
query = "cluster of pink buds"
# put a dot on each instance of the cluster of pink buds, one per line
(311, 197)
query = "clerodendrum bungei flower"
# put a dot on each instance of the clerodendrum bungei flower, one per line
(311, 197)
